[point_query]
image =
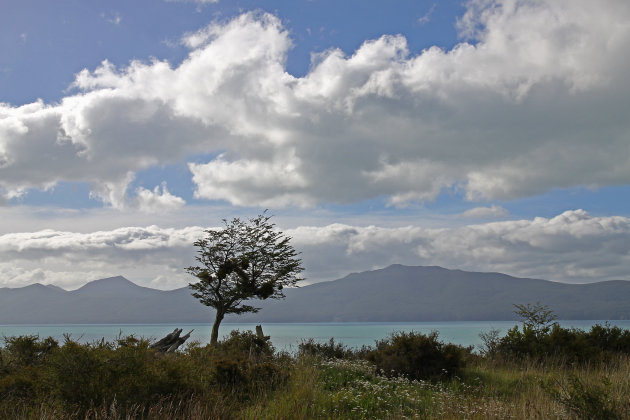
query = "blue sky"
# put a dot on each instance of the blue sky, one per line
(499, 122)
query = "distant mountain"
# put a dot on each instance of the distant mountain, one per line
(113, 300)
(395, 293)
(403, 293)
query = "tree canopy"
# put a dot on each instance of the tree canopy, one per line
(243, 260)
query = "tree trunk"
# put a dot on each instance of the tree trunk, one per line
(214, 337)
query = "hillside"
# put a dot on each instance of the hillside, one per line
(396, 293)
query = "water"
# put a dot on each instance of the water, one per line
(287, 336)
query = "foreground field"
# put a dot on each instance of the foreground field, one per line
(408, 376)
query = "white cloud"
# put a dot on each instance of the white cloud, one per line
(533, 102)
(156, 200)
(221, 179)
(493, 211)
(573, 246)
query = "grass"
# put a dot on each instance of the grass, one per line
(234, 381)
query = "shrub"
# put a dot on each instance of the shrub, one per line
(244, 363)
(247, 344)
(568, 345)
(20, 361)
(127, 371)
(27, 350)
(418, 356)
(540, 338)
(129, 375)
(328, 350)
(610, 339)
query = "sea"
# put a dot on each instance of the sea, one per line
(287, 336)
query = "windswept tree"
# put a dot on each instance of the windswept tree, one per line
(244, 260)
(538, 318)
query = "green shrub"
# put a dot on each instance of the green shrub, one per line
(27, 350)
(327, 350)
(20, 372)
(22, 384)
(568, 345)
(541, 338)
(244, 363)
(245, 343)
(418, 356)
(610, 339)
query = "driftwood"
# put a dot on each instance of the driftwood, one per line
(259, 333)
(171, 342)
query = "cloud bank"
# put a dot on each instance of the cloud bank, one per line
(573, 247)
(535, 98)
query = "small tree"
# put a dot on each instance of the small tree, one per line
(243, 260)
(539, 318)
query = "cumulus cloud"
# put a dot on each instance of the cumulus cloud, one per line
(573, 247)
(157, 200)
(533, 99)
(493, 211)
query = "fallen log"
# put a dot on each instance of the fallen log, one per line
(171, 342)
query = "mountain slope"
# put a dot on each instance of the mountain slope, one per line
(401, 293)
(395, 293)
(107, 301)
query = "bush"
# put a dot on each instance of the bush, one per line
(78, 377)
(610, 339)
(27, 350)
(540, 338)
(418, 356)
(244, 363)
(127, 371)
(568, 345)
(247, 344)
(328, 350)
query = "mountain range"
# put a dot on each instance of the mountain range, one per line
(396, 293)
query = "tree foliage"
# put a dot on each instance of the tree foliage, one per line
(244, 260)
(537, 317)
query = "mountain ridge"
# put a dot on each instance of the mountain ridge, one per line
(391, 294)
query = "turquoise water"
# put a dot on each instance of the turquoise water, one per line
(287, 336)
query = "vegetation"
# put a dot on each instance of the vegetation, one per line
(418, 356)
(539, 338)
(244, 260)
(408, 375)
(244, 377)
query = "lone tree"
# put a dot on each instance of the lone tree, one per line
(246, 259)
(538, 317)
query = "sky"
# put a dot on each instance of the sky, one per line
(482, 135)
